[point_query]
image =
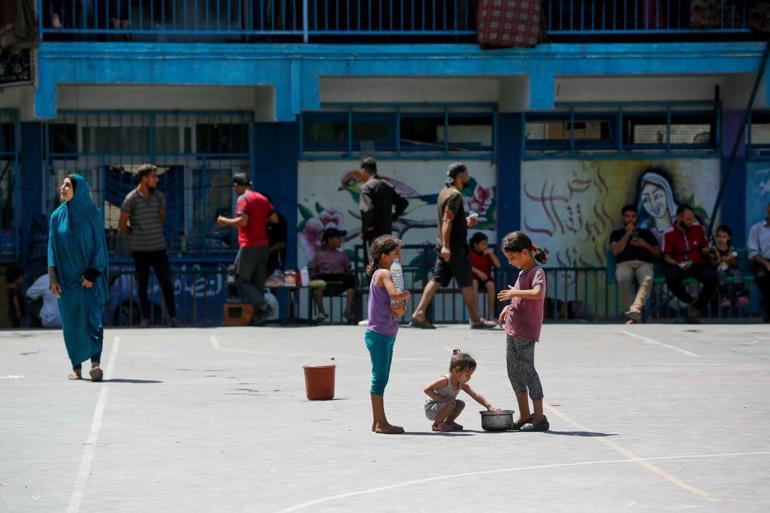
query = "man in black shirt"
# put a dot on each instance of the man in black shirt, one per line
(380, 204)
(454, 259)
(635, 251)
(278, 236)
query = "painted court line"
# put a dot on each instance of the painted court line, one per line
(93, 435)
(651, 341)
(631, 457)
(644, 462)
(405, 484)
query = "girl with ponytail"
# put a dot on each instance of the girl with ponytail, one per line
(522, 319)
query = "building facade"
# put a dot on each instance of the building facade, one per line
(621, 101)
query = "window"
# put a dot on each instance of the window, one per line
(325, 131)
(63, 139)
(116, 139)
(373, 131)
(420, 131)
(469, 132)
(222, 138)
(679, 126)
(585, 131)
(676, 129)
(196, 154)
(7, 144)
(416, 131)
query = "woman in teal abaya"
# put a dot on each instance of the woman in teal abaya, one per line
(77, 267)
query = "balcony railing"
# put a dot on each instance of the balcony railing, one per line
(646, 16)
(370, 20)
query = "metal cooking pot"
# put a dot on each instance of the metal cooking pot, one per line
(496, 420)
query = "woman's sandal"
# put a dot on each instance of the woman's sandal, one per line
(96, 374)
(74, 376)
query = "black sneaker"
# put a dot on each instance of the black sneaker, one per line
(541, 426)
(261, 316)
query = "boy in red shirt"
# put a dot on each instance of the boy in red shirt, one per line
(684, 249)
(483, 260)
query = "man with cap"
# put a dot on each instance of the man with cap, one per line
(453, 253)
(252, 213)
(379, 202)
(333, 267)
(142, 216)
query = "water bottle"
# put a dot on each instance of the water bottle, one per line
(397, 273)
(304, 276)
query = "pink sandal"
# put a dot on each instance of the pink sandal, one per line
(442, 427)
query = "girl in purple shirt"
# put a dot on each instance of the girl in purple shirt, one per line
(386, 305)
(523, 318)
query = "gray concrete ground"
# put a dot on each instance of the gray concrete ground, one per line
(646, 418)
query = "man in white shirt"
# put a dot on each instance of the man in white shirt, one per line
(759, 253)
(49, 314)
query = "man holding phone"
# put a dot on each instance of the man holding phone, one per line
(684, 250)
(635, 250)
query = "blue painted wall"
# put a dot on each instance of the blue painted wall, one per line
(295, 70)
(734, 198)
(274, 170)
(509, 153)
(31, 183)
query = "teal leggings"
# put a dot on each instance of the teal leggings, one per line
(381, 351)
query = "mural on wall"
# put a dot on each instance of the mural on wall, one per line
(572, 206)
(329, 192)
(757, 191)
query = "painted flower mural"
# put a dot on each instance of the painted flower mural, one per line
(480, 201)
(312, 226)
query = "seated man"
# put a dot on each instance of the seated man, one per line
(49, 313)
(331, 265)
(635, 250)
(684, 249)
(759, 253)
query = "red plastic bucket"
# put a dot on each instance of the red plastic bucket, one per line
(319, 382)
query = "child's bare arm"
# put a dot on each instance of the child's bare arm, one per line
(495, 260)
(481, 274)
(387, 282)
(430, 390)
(398, 308)
(534, 293)
(479, 398)
(504, 314)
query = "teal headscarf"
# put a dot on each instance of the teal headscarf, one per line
(76, 248)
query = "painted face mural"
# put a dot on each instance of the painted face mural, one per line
(571, 207)
(655, 202)
(757, 191)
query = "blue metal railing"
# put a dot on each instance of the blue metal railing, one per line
(298, 18)
(645, 16)
(186, 20)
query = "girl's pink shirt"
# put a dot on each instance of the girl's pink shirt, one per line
(525, 316)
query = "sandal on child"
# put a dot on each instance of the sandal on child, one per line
(391, 430)
(541, 426)
(74, 376)
(96, 374)
(455, 426)
(517, 425)
(442, 427)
